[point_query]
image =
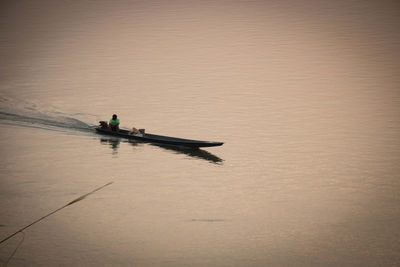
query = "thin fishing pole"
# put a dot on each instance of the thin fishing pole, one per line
(15, 250)
(57, 210)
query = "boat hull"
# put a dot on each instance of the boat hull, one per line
(159, 139)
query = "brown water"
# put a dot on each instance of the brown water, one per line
(305, 95)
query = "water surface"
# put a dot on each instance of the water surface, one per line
(305, 95)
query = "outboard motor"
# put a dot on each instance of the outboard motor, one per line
(103, 124)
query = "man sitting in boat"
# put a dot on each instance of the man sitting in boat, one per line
(114, 123)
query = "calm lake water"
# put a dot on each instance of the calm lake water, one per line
(305, 95)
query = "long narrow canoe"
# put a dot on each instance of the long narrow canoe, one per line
(158, 139)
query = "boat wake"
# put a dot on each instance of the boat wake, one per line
(24, 114)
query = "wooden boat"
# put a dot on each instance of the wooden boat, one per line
(158, 139)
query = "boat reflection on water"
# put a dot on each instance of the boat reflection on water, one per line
(114, 144)
(195, 153)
